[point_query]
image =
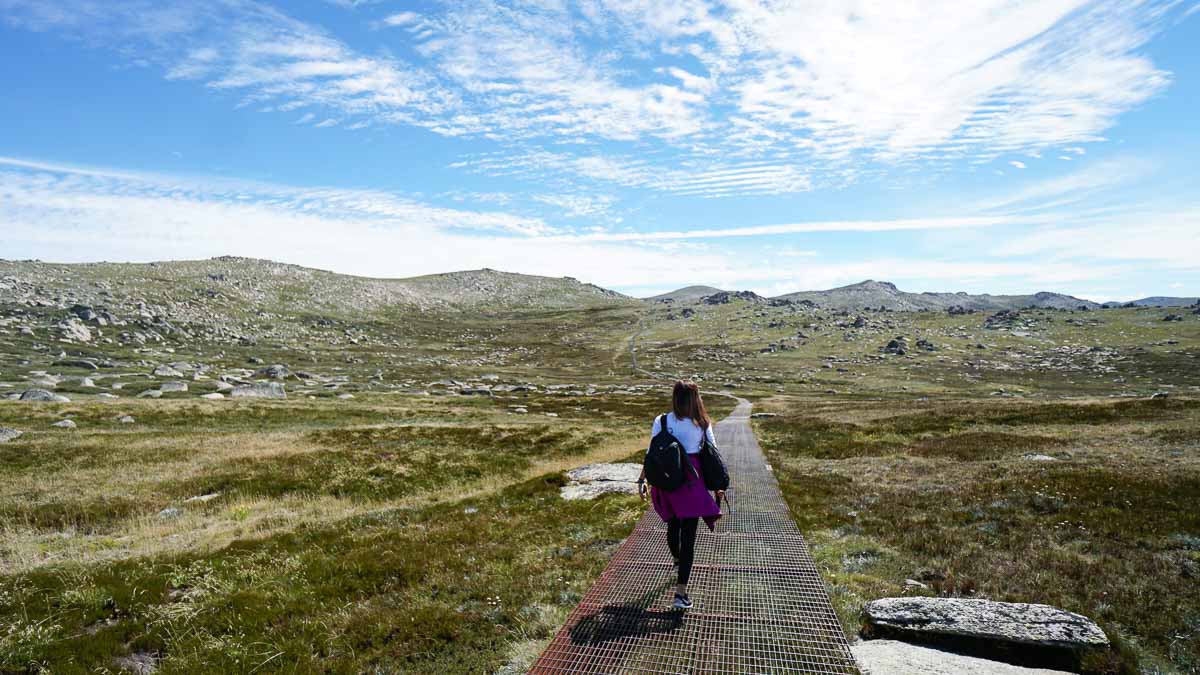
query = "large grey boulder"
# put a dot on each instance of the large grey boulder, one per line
(275, 372)
(1022, 633)
(72, 328)
(259, 390)
(7, 434)
(889, 657)
(43, 395)
(593, 480)
(64, 424)
(166, 371)
(174, 386)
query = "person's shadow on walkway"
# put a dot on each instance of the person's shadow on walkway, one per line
(630, 619)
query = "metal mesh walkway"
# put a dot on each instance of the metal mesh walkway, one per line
(759, 604)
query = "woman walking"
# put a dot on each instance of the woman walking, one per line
(681, 509)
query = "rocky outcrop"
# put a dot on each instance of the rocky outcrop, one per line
(593, 480)
(1019, 633)
(7, 434)
(43, 395)
(275, 372)
(889, 657)
(166, 371)
(73, 329)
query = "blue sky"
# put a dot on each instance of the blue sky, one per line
(638, 144)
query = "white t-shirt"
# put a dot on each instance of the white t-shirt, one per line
(686, 431)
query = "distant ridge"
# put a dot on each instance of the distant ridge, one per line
(686, 294)
(269, 285)
(273, 286)
(876, 294)
(1157, 301)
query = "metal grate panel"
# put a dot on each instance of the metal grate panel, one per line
(760, 605)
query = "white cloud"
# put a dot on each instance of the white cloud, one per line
(1074, 187)
(578, 205)
(1164, 239)
(814, 91)
(401, 19)
(1018, 165)
(69, 213)
(896, 225)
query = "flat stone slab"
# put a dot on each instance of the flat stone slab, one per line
(593, 480)
(890, 657)
(1021, 633)
(7, 434)
(259, 390)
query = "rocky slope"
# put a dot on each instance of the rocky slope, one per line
(876, 294)
(195, 290)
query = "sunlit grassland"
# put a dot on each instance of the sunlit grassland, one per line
(409, 533)
(951, 494)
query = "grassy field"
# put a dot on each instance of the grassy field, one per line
(1088, 505)
(392, 532)
(413, 529)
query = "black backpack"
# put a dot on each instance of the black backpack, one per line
(665, 460)
(712, 465)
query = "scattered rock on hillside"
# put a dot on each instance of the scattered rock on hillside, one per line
(168, 387)
(7, 434)
(1035, 634)
(166, 371)
(151, 393)
(1160, 394)
(593, 480)
(1172, 317)
(213, 396)
(889, 657)
(72, 328)
(86, 364)
(64, 424)
(897, 345)
(126, 419)
(259, 390)
(724, 297)
(43, 395)
(275, 372)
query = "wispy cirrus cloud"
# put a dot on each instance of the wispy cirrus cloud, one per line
(811, 91)
(30, 188)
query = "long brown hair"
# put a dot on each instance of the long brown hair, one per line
(686, 402)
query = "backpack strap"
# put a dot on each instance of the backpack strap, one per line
(662, 423)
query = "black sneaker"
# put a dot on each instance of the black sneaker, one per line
(682, 602)
(674, 561)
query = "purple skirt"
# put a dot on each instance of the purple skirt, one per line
(689, 500)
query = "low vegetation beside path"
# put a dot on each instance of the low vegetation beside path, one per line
(1088, 506)
(410, 533)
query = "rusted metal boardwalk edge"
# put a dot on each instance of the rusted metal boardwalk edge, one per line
(760, 604)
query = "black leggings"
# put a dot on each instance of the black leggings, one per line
(681, 537)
